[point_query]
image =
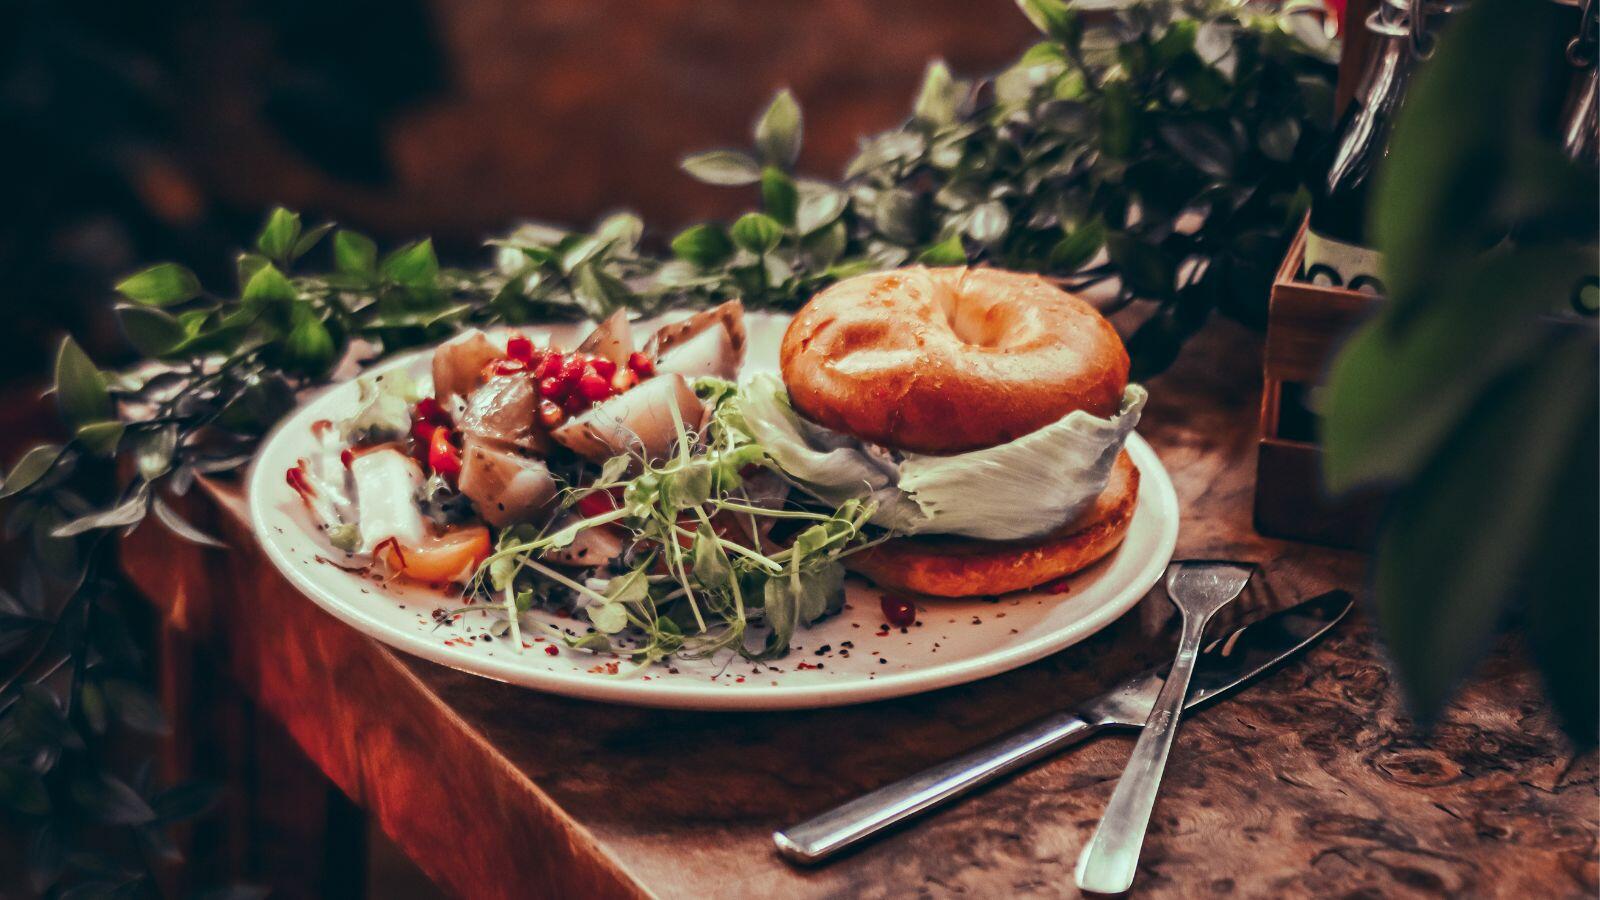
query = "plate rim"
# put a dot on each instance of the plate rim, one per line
(1157, 497)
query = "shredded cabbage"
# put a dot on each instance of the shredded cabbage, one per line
(1022, 489)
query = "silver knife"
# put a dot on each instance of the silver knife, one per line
(1224, 665)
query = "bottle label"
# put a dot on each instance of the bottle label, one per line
(1332, 263)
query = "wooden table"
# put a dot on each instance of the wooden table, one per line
(1309, 783)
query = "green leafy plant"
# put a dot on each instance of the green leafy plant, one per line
(1159, 143)
(1472, 394)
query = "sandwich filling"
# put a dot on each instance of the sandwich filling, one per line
(1022, 489)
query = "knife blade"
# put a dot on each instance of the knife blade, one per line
(1225, 664)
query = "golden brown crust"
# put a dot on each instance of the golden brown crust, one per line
(949, 360)
(948, 566)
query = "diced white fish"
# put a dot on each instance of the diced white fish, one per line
(504, 486)
(458, 364)
(637, 422)
(711, 342)
(386, 483)
(591, 547)
(612, 339)
(503, 411)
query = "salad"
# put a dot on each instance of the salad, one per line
(615, 481)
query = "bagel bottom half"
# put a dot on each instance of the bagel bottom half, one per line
(950, 566)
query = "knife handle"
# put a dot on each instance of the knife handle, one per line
(824, 835)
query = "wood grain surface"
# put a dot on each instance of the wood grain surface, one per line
(1310, 783)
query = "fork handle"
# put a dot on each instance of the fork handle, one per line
(822, 836)
(1109, 860)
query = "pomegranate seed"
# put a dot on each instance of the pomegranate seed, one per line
(550, 413)
(519, 348)
(575, 403)
(898, 611)
(422, 430)
(596, 503)
(603, 367)
(548, 366)
(553, 388)
(550, 650)
(593, 387)
(642, 365)
(623, 380)
(572, 370)
(430, 410)
(443, 457)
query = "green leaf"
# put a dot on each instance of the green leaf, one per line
(712, 568)
(81, 389)
(154, 451)
(778, 195)
(1458, 537)
(723, 167)
(1562, 618)
(29, 469)
(136, 707)
(778, 131)
(309, 240)
(152, 332)
(101, 438)
(268, 287)
(600, 292)
(820, 206)
(160, 285)
(826, 246)
(1395, 393)
(1055, 18)
(757, 232)
(988, 223)
(1146, 269)
(1277, 139)
(354, 253)
(939, 99)
(309, 348)
(128, 512)
(413, 265)
(276, 241)
(707, 246)
(1119, 121)
(1200, 145)
(108, 799)
(1073, 251)
(24, 791)
(1428, 210)
(948, 252)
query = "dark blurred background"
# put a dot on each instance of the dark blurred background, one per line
(164, 129)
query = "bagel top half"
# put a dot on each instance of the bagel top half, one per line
(949, 360)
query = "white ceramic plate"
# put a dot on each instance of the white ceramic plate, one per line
(850, 658)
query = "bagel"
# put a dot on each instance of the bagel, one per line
(948, 566)
(948, 360)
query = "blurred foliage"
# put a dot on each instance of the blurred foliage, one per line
(1473, 393)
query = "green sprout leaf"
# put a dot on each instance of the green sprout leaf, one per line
(81, 389)
(354, 254)
(277, 239)
(757, 232)
(160, 285)
(778, 131)
(706, 246)
(723, 167)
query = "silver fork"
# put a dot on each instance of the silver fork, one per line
(1198, 588)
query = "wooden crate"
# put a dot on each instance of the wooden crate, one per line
(1305, 325)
